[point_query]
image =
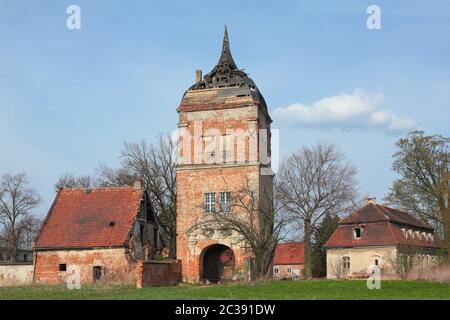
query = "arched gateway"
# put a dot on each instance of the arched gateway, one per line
(217, 263)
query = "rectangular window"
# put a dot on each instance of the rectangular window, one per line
(8, 257)
(1, 256)
(63, 267)
(25, 257)
(289, 270)
(276, 270)
(357, 232)
(226, 145)
(210, 202)
(346, 263)
(97, 273)
(225, 201)
(210, 148)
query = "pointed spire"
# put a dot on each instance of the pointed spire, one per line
(226, 58)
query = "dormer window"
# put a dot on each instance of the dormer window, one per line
(410, 234)
(357, 233)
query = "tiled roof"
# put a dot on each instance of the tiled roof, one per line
(374, 213)
(381, 226)
(289, 253)
(82, 218)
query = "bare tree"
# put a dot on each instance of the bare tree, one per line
(17, 201)
(337, 268)
(69, 181)
(257, 225)
(155, 165)
(315, 182)
(29, 229)
(402, 261)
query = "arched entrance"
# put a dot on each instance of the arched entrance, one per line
(217, 263)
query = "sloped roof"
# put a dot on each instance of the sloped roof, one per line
(374, 213)
(381, 226)
(82, 218)
(289, 253)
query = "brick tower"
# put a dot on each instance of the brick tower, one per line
(224, 147)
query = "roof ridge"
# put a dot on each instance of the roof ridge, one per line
(382, 210)
(101, 189)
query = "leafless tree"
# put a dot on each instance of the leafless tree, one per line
(337, 268)
(255, 221)
(29, 229)
(315, 182)
(155, 165)
(402, 261)
(17, 201)
(69, 181)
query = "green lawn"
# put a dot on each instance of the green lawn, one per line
(314, 289)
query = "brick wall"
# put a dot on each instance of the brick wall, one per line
(115, 264)
(206, 113)
(158, 273)
(191, 242)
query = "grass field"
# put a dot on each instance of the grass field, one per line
(314, 289)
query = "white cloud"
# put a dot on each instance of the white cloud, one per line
(356, 110)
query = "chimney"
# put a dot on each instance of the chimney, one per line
(198, 76)
(137, 184)
(368, 201)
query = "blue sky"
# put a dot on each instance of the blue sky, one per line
(69, 99)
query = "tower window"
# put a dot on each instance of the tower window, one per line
(210, 149)
(357, 232)
(210, 202)
(225, 201)
(226, 145)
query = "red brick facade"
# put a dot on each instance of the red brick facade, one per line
(158, 273)
(219, 111)
(115, 264)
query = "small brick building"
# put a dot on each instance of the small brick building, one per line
(99, 234)
(289, 260)
(376, 235)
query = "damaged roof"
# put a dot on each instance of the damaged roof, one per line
(81, 218)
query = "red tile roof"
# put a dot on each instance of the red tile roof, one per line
(381, 226)
(289, 253)
(374, 213)
(82, 218)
